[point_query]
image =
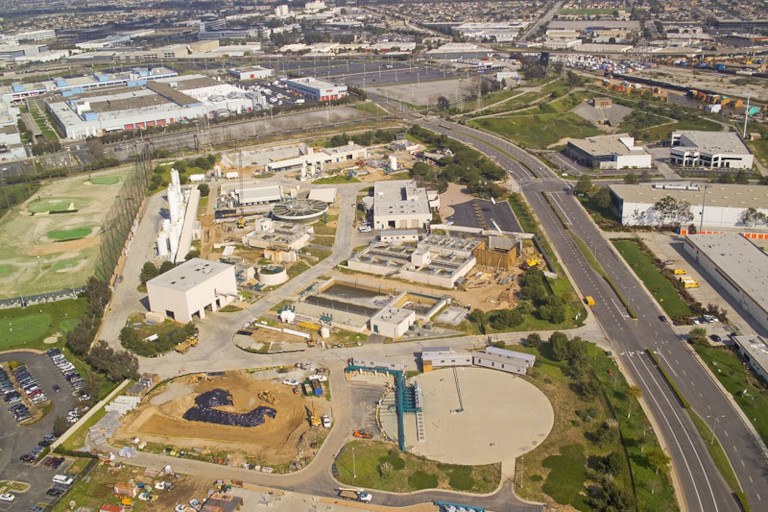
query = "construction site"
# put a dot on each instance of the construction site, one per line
(289, 429)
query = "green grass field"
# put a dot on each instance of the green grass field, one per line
(69, 234)
(663, 132)
(539, 130)
(5, 270)
(339, 178)
(105, 180)
(409, 472)
(734, 375)
(661, 288)
(28, 327)
(567, 474)
(96, 489)
(50, 204)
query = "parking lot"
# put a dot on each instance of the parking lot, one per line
(16, 440)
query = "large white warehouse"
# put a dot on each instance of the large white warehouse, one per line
(710, 149)
(721, 205)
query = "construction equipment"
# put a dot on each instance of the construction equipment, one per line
(198, 378)
(267, 397)
(355, 495)
(241, 222)
(362, 434)
(311, 342)
(185, 345)
(314, 419)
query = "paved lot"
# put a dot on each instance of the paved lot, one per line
(16, 440)
(480, 213)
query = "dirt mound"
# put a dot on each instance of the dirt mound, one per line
(213, 398)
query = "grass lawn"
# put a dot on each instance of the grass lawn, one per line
(297, 268)
(50, 204)
(540, 130)
(735, 376)
(567, 474)
(5, 270)
(326, 241)
(28, 327)
(339, 178)
(408, 472)
(663, 132)
(371, 108)
(656, 282)
(69, 234)
(105, 180)
(760, 149)
(568, 102)
(96, 489)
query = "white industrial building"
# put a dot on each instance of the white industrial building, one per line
(252, 73)
(738, 266)
(456, 51)
(192, 289)
(710, 149)
(142, 104)
(754, 350)
(174, 240)
(313, 162)
(317, 90)
(508, 361)
(273, 234)
(440, 357)
(393, 322)
(400, 204)
(608, 152)
(720, 205)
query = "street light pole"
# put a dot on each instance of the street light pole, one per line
(354, 469)
(703, 204)
(714, 428)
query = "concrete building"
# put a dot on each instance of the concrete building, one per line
(393, 322)
(754, 350)
(400, 235)
(400, 204)
(440, 357)
(313, 162)
(720, 205)
(498, 252)
(456, 51)
(435, 261)
(710, 149)
(252, 73)
(222, 502)
(317, 90)
(608, 152)
(192, 289)
(505, 360)
(285, 236)
(738, 266)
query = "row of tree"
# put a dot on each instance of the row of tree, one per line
(165, 341)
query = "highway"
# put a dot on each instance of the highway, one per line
(702, 486)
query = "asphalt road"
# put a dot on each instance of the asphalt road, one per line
(15, 440)
(703, 487)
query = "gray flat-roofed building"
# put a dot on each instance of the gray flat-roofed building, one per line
(498, 362)
(400, 204)
(393, 322)
(754, 349)
(527, 359)
(608, 152)
(694, 148)
(192, 289)
(721, 205)
(439, 357)
(738, 266)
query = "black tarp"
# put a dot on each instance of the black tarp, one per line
(214, 398)
(205, 411)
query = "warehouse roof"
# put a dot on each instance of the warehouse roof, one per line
(326, 195)
(756, 347)
(718, 195)
(190, 274)
(711, 142)
(620, 144)
(739, 259)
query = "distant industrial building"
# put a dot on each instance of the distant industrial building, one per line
(393, 322)
(710, 149)
(311, 162)
(456, 51)
(317, 90)
(608, 152)
(738, 266)
(499, 32)
(192, 289)
(400, 204)
(721, 205)
(435, 261)
(252, 73)
(286, 236)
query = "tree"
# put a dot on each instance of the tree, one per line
(166, 266)
(603, 198)
(752, 217)
(553, 310)
(204, 189)
(631, 178)
(612, 464)
(533, 340)
(670, 209)
(443, 103)
(194, 253)
(559, 345)
(698, 336)
(60, 425)
(633, 393)
(148, 271)
(658, 459)
(583, 186)
(605, 434)
(742, 177)
(645, 176)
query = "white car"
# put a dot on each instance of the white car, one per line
(319, 378)
(7, 497)
(290, 382)
(326, 422)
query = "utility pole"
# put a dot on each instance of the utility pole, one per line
(746, 116)
(703, 204)
(354, 469)
(522, 467)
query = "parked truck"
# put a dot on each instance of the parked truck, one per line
(355, 495)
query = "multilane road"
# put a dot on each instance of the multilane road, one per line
(702, 486)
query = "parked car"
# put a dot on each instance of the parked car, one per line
(7, 497)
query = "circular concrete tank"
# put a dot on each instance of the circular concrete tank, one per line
(272, 275)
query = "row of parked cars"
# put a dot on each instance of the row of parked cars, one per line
(67, 369)
(12, 393)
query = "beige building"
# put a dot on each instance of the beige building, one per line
(192, 289)
(393, 322)
(401, 204)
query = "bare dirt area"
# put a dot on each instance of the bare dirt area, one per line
(278, 440)
(425, 93)
(456, 194)
(731, 85)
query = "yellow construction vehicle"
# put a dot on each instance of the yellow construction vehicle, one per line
(198, 378)
(267, 397)
(185, 345)
(241, 222)
(314, 419)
